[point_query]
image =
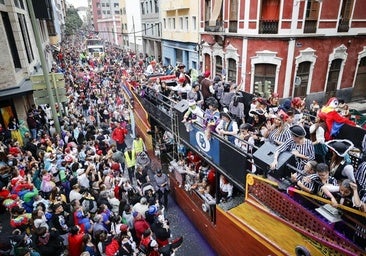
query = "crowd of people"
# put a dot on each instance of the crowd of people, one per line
(323, 164)
(85, 190)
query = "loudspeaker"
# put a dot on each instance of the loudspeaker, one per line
(263, 157)
(182, 106)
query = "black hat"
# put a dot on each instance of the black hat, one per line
(297, 131)
(258, 112)
(262, 101)
(222, 114)
(158, 171)
(246, 126)
(340, 147)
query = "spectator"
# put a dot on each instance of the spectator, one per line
(340, 168)
(298, 145)
(162, 187)
(227, 127)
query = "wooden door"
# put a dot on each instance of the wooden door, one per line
(359, 90)
(333, 77)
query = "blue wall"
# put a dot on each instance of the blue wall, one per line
(189, 53)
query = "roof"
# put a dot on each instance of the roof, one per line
(23, 87)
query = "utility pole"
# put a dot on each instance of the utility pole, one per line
(44, 64)
(134, 34)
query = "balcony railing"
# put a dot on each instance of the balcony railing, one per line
(343, 25)
(233, 26)
(310, 26)
(268, 26)
(217, 28)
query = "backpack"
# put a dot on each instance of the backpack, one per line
(112, 248)
(144, 246)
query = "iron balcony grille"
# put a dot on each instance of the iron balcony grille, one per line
(268, 26)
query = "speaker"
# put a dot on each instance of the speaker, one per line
(263, 157)
(182, 106)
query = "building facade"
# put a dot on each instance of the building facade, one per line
(151, 29)
(134, 28)
(180, 33)
(307, 48)
(106, 20)
(20, 57)
(125, 42)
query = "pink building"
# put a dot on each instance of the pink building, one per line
(106, 20)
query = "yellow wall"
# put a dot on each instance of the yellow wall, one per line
(176, 9)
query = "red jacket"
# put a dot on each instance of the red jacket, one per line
(119, 134)
(112, 248)
(75, 244)
(140, 226)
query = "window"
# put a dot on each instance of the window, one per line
(157, 25)
(156, 6)
(333, 77)
(311, 16)
(51, 28)
(103, 4)
(11, 40)
(104, 12)
(269, 17)
(345, 16)
(16, 3)
(107, 5)
(142, 8)
(179, 55)
(116, 5)
(26, 39)
(302, 79)
(99, 12)
(21, 4)
(194, 22)
(98, 5)
(173, 26)
(181, 23)
(164, 23)
(2, 1)
(264, 79)
(233, 23)
(144, 28)
(151, 7)
(108, 12)
(116, 12)
(169, 23)
(186, 24)
(218, 69)
(231, 75)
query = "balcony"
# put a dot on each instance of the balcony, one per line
(268, 26)
(219, 27)
(343, 25)
(310, 26)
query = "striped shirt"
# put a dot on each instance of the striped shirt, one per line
(316, 184)
(360, 176)
(306, 149)
(278, 136)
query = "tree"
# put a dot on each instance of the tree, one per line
(72, 21)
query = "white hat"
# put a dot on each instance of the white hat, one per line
(79, 171)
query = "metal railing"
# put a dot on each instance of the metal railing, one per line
(268, 26)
